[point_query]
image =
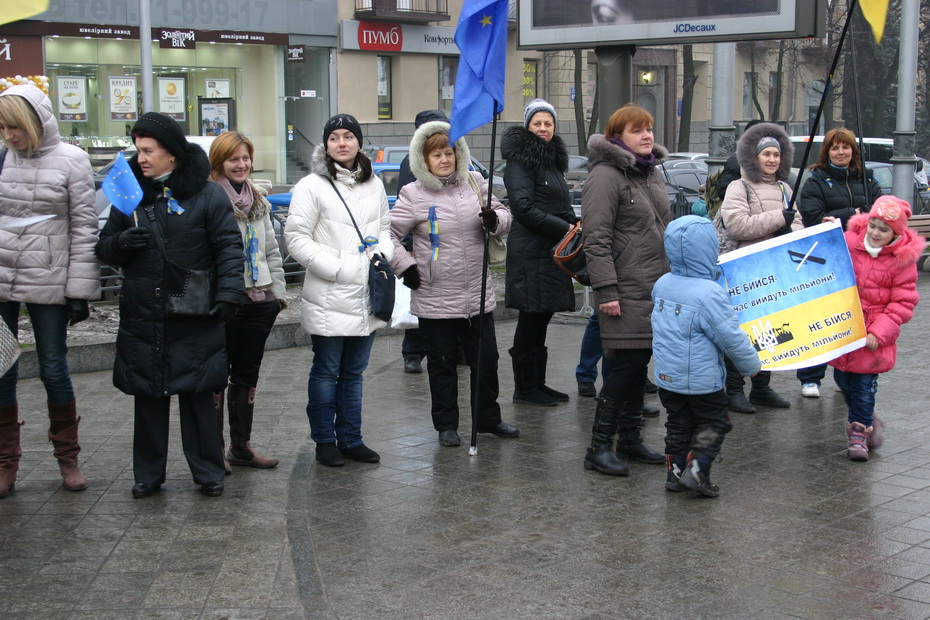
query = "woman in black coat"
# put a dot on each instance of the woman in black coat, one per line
(834, 189)
(542, 215)
(159, 355)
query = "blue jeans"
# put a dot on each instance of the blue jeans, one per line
(334, 388)
(592, 352)
(859, 393)
(812, 374)
(50, 326)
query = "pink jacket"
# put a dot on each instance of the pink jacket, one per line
(888, 291)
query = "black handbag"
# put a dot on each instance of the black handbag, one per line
(568, 254)
(380, 275)
(188, 292)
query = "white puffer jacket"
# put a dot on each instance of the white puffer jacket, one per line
(46, 262)
(450, 279)
(320, 236)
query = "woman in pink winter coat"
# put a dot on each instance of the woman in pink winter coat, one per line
(884, 254)
(442, 212)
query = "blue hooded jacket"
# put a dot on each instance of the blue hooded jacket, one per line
(693, 323)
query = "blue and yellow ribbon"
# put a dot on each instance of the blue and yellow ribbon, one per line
(433, 220)
(251, 252)
(174, 206)
(367, 243)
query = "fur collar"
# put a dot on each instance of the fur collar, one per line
(187, 180)
(418, 165)
(533, 152)
(600, 150)
(906, 249)
(318, 166)
(749, 161)
(260, 205)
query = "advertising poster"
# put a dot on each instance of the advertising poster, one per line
(216, 89)
(123, 99)
(172, 101)
(72, 99)
(214, 118)
(796, 297)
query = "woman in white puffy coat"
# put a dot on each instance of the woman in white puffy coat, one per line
(443, 213)
(48, 265)
(336, 304)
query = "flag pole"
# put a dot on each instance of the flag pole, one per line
(859, 132)
(823, 101)
(473, 448)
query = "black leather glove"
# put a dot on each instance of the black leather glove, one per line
(411, 277)
(224, 310)
(135, 238)
(789, 216)
(488, 219)
(78, 310)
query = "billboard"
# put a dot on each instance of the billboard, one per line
(566, 24)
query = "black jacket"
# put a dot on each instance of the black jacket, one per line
(542, 215)
(157, 355)
(836, 192)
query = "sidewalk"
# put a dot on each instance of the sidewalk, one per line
(519, 531)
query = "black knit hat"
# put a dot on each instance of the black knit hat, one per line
(342, 121)
(427, 116)
(164, 129)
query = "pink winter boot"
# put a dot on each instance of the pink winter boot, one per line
(858, 449)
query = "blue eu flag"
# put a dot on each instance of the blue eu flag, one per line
(121, 187)
(479, 85)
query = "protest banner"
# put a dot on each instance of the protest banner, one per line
(796, 297)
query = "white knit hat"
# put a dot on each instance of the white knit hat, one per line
(537, 105)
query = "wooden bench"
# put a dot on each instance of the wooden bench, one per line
(921, 224)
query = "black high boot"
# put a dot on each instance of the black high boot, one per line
(542, 359)
(675, 466)
(763, 395)
(630, 440)
(601, 455)
(526, 380)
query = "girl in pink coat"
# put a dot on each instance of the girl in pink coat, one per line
(884, 254)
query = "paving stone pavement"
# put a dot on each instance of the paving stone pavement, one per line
(519, 531)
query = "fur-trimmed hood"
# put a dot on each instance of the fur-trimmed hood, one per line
(532, 151)
(906, 249)
(601, 150)
(185, 181)
(749, 161)
(418, 164)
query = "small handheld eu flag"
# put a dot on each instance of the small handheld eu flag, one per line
(121, 187)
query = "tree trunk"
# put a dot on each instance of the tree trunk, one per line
(776, 105)
(579, 103)
(754, 81)
(687, 98)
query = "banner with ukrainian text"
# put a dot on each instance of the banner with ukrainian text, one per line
(796, 297)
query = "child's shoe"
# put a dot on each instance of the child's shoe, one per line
(857, 449)
(877, 436)
(697, 478)
(675, 465)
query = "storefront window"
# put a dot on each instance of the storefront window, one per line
(385, 111)
(448, 70)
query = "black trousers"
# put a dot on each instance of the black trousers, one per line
(697, 423)
(246, 335)
(735, 381)
(442, 337)
(628, 374)
(530, 333)
(200, 438)
(413, 346)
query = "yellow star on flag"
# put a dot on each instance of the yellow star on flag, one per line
(485, 21)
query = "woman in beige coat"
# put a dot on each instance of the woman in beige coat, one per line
(49, 265)
(753, 210)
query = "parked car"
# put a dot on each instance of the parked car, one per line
(920, 199)
(686, 155)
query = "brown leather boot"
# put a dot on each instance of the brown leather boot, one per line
(10, 450)
(63, 433)
(218, 406)
(241, 412)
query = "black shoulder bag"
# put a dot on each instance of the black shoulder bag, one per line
(380, 275)
(188, 292)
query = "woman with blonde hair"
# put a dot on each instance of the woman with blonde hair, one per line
(231, 156)
(49, 266)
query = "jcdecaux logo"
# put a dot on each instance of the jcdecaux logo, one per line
(680, 28)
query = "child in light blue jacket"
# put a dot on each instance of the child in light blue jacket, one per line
(694, 327)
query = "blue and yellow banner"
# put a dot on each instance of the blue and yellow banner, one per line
(796, 297)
